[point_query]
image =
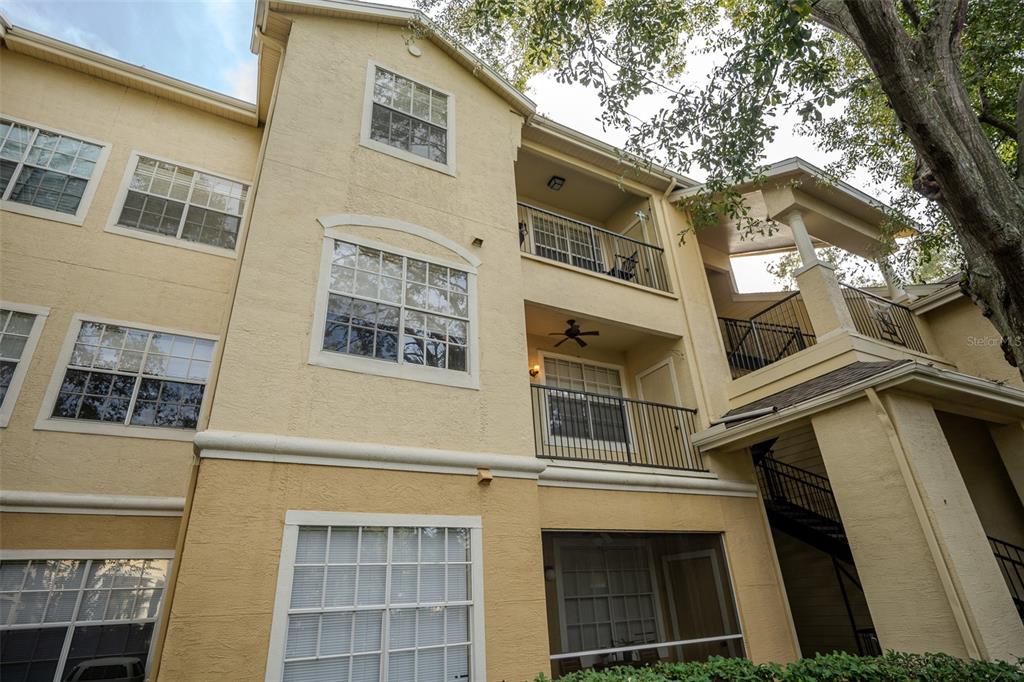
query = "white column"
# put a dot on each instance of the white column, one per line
(803, 240)
(892, 281)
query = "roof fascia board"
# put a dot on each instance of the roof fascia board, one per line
(937, 299)
(911, 373)
(143, 79)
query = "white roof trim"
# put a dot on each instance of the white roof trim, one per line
(1013, 398)
(33, 501)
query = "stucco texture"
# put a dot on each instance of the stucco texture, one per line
(221, 616)
(86, 531)
(83, 269)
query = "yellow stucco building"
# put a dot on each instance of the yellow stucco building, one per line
(387, 377)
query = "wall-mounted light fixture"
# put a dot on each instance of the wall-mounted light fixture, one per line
(555, 182)
(535, 370)
(549, 573)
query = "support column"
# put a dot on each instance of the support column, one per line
(818, 286)
(892, 282)
(1009, 440)
(928, 573)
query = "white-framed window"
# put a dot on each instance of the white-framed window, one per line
(384, 310)
(374, 598)
(408, 119)
(79, 615)
(172, 203)
(122, 378)
(48, 173)
(589, 408)
(20, 327)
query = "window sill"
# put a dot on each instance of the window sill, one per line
(446, 168)
(172, 241)
(44, 213)
(428, 375)
(122, 430)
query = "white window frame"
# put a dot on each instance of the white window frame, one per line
(102, 554)
(282, 598)
(44, 422)
(113, 227)
(90, 188)
(41, 313)
(364, 133)
(565, 441)
(400, 370)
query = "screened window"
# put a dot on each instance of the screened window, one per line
(585, 413)
(409, 116)
(123, 375)
(177, 202)
(397, 309)
(43, 169)
(15, 331)
(56, 616)
(379, 604)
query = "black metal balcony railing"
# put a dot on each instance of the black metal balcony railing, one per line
(1010, 558)
(882, 319)
(778, 331)
(591, 427)
(569, 241)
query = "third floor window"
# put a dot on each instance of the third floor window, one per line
(410, 118)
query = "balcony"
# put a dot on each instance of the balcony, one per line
(559, 238)
(778, 331)
(607, 429)
(883, 319)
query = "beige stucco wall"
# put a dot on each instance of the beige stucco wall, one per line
(82, 269)
(970, 341)
(992, 492)
(222, 611)
(314, 166)
(760, 600)
(87, 531)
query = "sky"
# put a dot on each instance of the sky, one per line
(206, 42)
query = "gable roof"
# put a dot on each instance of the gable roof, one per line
(263, 28)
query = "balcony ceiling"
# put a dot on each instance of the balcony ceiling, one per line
(613, 338)
(584, 195)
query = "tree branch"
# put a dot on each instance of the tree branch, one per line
(911, 9)
(986, 116)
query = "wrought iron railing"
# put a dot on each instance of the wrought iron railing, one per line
(778, 331)
(586, 246)
(591, 427)
(882, 319)
(1010, 558)
(783, 482)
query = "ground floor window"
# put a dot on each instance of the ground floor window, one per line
(638, 598)
(371, 598)
(78, 619)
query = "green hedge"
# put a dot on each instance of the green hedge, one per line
(836, 667)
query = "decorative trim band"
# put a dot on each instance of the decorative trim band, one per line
(576, 477)
(359, 220)
(299, 450)
(35, 502)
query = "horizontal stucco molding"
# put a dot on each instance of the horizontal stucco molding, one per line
(36, 502)
(635, 481)
(299, 450)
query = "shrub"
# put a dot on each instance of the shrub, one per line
(835, 667)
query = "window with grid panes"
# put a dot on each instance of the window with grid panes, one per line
(608, 597)
(44, 169)
(175, 201)
(15, 329)
(585, 417)
(409, 116)
(123, 375)
(397, 309)
(56, 614)
(377, 604)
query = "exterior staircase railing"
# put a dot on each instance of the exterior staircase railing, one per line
(1010, 558)
(778, 331)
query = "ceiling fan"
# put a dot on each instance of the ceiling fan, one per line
(573, 332)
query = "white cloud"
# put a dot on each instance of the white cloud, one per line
(241, 78)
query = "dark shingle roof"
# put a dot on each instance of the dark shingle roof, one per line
(812, 388)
